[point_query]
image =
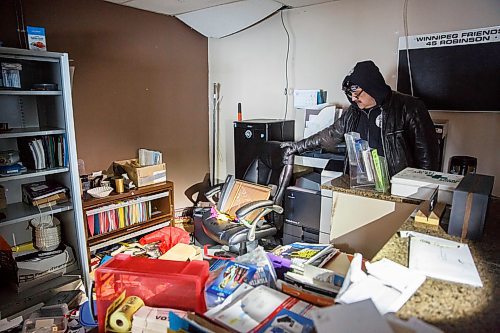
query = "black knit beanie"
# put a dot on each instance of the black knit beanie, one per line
(368, 77)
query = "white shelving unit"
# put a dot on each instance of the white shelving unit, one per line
(31, 113)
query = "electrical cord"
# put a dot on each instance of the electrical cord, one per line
(405, 22)
(286, 71)
(18, 23)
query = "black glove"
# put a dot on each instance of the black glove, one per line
(289, 149)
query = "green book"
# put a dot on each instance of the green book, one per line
(379, 186)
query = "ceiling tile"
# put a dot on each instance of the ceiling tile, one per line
(174, 7)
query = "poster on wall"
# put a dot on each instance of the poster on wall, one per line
(452, 71)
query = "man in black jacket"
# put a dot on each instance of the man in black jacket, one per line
(397, 125)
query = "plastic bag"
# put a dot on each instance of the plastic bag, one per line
(168, 237)
(265, 274)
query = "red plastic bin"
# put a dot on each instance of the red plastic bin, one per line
(160, 283)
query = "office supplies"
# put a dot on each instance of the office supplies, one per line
(230, 278)
(442, 259)
(151, 319)
(260, 309)
(420, 184)
(388, 284)
(118, 183)
(121, 319)
(300, 254)
(142, 175)
(359, 317)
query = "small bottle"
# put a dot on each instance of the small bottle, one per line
(240, 117)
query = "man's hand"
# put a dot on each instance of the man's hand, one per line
(289, 149)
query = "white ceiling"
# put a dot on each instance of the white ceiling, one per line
(176, 7)
(217, 18)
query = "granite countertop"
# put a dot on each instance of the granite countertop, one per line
(341, 184)
(455, 307)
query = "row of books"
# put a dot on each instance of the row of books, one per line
(47, 151)
(44, 193)
(121, 217)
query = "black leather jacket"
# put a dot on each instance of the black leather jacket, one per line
(409, 137)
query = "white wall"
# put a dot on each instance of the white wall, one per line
(326, 41)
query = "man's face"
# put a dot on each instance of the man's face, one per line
(363, 99)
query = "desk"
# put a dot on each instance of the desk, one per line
(450, 306)
(362, 220)
(455, 307)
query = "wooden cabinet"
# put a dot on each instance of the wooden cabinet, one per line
(123, 216)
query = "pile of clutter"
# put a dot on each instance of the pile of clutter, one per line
(294, 288)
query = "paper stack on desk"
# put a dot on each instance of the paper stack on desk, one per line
(388, 284)
(442, 259)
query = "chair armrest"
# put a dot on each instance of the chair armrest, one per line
(243, 211)
(211, 193)
(266, 206)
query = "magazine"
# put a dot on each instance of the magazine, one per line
(300, 254)
(263, 309)
(229, 279)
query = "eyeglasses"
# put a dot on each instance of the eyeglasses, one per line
(350, 89)
(352, 95)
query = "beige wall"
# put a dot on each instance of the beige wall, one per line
(326, 41)
(140, 82)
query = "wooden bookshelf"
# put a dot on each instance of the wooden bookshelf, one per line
(161, 197)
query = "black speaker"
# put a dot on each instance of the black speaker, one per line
(249, 134)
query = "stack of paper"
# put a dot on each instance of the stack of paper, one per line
(388, 284)
(358, 317)
(442, 259)
(363, 317)
(318, 118)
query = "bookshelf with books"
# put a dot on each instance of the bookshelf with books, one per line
(119, 217)
(37, 130)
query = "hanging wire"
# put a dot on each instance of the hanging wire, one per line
(18, 18)
(286, 63)
(286, 73)
(21, 29)
(405, 22)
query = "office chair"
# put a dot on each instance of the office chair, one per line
(269, 169)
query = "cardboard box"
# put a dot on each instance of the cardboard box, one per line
(144, 175)
(32, 273)
(470, 202)
(364, 224)
(420, 184)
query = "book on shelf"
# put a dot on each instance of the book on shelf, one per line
(33, 192)
(306, 294)
(113, 217)
(41, 152)
(10, 170)
(50, 200)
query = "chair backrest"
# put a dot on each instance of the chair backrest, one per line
(268, 169)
